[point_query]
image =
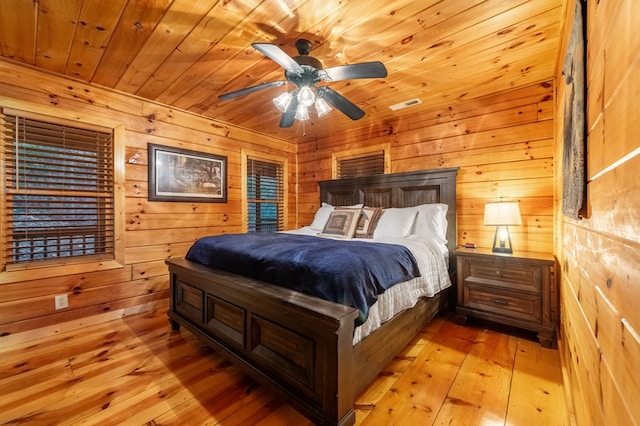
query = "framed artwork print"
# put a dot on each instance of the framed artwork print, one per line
(183, 175)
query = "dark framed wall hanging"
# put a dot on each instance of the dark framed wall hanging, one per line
(183, 175)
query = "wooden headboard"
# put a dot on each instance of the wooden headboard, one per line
(399, 190)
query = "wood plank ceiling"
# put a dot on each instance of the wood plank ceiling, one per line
(185, 53)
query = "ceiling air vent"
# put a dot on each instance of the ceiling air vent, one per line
(406, 104)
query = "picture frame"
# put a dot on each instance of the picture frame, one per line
(177, 174)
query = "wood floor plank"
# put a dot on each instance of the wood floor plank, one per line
(421, 390)
(56, 347)
(251, 410)
(376, 390)
(284, 415)
(537, 391)
(101, 381)
(480, 392)
(137, 405)
(136, 371)
(46, 377)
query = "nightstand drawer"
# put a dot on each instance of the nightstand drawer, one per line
(508, 303)
(510, 275)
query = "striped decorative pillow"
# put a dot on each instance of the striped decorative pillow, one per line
(368, 221)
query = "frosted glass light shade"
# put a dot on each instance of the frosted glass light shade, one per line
(282, 101)
(322, 107)
(302, 113)
(306, 96)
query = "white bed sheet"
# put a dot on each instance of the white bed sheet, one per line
(432, 258)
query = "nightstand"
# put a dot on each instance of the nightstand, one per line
(517, 290)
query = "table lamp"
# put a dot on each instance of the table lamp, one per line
(502, 215)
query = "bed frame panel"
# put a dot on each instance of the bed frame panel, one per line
(299, 346)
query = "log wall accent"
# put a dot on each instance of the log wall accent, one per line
(600, 254)
(153, 231)
(503, 145)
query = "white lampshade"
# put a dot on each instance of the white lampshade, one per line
(302, 113)
(282, 101)
(322, 107)
(498, 214)
(306, 96)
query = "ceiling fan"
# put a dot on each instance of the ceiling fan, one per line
(305, 71)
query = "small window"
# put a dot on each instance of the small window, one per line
(59, 191)
(265, 196)
(366, 161)
(372, 164)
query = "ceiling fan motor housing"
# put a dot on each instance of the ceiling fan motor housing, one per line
(308, 77)
(309, 64)
(308, 60)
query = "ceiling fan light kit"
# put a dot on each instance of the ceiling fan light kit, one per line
(305, 71)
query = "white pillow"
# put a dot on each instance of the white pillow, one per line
(354, 206)
(321, 217)
(395, 222)
(323, 213)
(431, 221)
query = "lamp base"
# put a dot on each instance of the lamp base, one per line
(502, 250)
(502, 244)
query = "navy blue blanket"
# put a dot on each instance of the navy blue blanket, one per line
(352, 272)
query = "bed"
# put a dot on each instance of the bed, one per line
(299, 346)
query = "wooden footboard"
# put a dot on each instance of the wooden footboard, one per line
(297, 345)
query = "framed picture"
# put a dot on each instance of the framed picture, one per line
(182, 175)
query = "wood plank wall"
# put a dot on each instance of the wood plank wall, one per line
(600, 254)
(153, 232)
(503, 145)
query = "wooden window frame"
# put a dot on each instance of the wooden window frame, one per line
(246, 155)
(69, 265)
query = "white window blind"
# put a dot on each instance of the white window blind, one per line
(58, 183)
(370, 164)
(265, 196)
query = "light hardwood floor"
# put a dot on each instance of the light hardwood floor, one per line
(135, 371)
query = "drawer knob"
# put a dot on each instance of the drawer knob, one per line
(500, 301)
(499, 273)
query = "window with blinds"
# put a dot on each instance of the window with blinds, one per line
(58, 183)
(265, 196)
(366, 165)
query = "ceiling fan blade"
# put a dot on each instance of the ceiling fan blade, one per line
(278, 55)
(340, 102)
(251, 89)
(290, 114)
(363, 70)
